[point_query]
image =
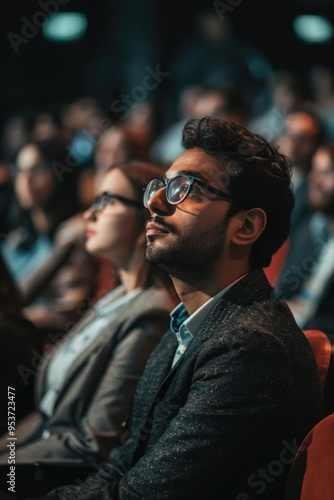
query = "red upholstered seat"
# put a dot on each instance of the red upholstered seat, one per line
(321, 348)
(311, 475)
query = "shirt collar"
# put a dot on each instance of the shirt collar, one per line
(181, 322)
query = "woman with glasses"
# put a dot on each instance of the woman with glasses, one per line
(85, 387)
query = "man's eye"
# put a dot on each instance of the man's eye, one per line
(196, 191)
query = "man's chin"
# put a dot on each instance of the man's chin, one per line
(155, 256)
(151, 254)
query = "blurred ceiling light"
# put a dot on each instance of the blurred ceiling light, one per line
(65, 27)
(313, 29)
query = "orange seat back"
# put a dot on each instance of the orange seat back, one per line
(321, 348)
(311, 476)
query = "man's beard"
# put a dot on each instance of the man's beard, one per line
(193, 257)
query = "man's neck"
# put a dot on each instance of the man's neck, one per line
(195, 294)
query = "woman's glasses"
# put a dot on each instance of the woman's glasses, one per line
(104, 199)
(178, 188)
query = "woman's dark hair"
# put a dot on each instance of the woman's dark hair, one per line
(255, 174)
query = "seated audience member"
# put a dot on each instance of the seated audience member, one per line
(45, 126)
(225, 102)
(167, 145)
(212, 57)
(308, 276)
(300, 140)
(15, 135)
(234, 385)
(80, 122)
(53, 271)
(85, 387)
(322, 85)
(286, 95)
(140, 128)
(113, 147)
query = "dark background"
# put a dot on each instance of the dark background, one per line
(45, 73)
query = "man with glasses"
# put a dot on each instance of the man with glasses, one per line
(233, 388)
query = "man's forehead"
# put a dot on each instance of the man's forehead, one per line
(198, 164)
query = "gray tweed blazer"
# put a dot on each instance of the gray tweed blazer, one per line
(225, 422)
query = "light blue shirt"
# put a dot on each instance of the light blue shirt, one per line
(185, 327)
(22, 263)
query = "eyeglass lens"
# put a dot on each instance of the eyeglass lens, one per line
(177, 189)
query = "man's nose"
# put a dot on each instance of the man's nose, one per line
(158, 203)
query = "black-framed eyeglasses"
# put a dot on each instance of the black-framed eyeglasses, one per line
(102, 200)
(178, 188)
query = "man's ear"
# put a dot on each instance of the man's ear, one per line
(250, 224)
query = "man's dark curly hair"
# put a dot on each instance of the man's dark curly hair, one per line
(255, 174)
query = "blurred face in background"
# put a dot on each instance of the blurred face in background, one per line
(321, 182)
(35, 181)
(112, 148)
(300, 139)
(113, 230)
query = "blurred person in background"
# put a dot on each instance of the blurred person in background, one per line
(45, 126)
(300, 138)
(15, 135)
(50, 266)
(308, 276)
(141, 127)
(167, 145)
(85, 385)
(79, 116)
(213, 57)
(322, 86)
(285, 94)
(113, 147)
(302, 135)
(224, 102)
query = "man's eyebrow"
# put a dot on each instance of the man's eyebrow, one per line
(197, 175)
